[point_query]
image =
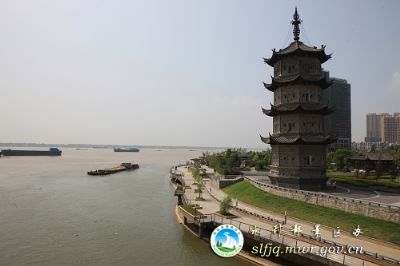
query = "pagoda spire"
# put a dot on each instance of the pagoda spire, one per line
(296, 22)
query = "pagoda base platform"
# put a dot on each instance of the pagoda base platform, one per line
(303, 183)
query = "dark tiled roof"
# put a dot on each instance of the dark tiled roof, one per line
(298, 47)
(373, 156)
(297, 139)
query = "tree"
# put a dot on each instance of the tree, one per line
(268, 157)
(203, 173)
(395, 152)
(341, 158)
(200, 187)
(394, 172)
(225, 205)
(196, 174)
(379, 167)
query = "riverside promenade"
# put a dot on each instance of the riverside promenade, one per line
(265, 221)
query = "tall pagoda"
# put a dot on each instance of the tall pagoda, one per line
(298, 141)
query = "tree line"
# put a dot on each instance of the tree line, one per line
(231, 161)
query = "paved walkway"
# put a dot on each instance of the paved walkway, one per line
(211, 205)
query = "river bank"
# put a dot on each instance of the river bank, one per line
(248, 217)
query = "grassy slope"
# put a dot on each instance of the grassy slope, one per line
(376, 228)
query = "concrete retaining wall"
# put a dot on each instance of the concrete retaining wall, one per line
(221, 181)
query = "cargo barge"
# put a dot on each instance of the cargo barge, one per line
(126, 150)
(113, 170)
(50, 152)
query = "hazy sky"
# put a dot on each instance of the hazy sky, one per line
(178, 72)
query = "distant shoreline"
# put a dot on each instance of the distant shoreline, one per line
(106, 146)
(110, 146)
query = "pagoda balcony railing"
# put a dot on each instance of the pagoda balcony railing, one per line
(297, 166)
(304, 74)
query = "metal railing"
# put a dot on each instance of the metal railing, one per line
(303, 242)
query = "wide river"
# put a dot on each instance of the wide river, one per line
(53, 213)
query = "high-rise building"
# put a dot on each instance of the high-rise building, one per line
(375, 127)
(391, 129)
(298, 141)
(383, 128)
(338, 123)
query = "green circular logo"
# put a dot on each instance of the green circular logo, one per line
(226, 240)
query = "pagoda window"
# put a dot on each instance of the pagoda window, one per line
(308, 160)
(311, 68)
(295, 68)
(276, 127)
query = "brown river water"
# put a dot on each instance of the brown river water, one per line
(53, 213)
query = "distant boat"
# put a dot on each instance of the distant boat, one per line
(50, 152)
(126, 150)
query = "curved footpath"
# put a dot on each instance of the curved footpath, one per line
(254, 214)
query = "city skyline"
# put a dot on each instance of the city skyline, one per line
(180, 73)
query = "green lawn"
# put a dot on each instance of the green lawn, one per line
(364, 181)
(372, 227)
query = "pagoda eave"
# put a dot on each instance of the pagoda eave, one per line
(298, 48)
(321, 81)
(298, 139)
(297, 108)
(264, 139)
(269, 112)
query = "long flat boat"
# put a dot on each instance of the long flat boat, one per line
(126, 150)
(50, 152)
(116, 169)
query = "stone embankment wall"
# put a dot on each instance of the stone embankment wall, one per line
(367, 208)
(221, 181)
